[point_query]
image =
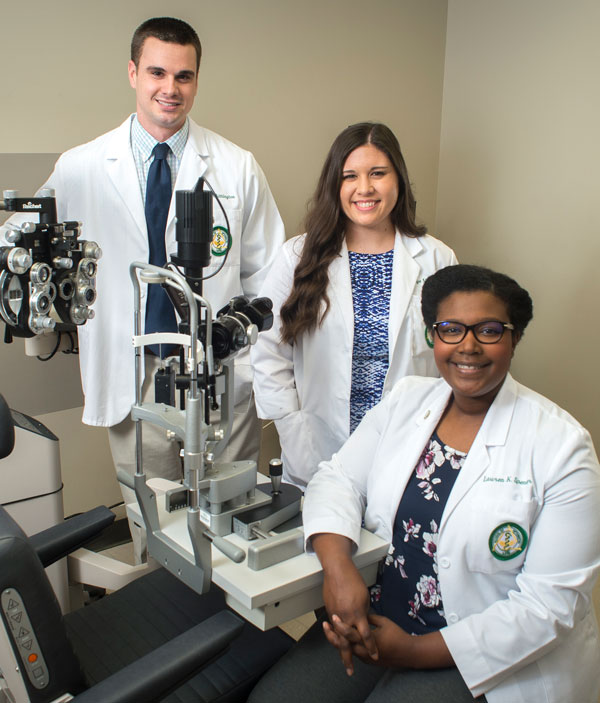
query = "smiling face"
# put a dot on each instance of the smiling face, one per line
(474, 371)
(165, 82)
(369, 189)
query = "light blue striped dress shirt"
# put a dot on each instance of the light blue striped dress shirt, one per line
(142, 145)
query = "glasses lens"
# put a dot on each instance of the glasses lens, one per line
(489, 332)
(451, 332)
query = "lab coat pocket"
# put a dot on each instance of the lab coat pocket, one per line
(498, 535)
(226, 234)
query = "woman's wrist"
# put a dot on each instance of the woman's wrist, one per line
(334, 551)
(428, 652)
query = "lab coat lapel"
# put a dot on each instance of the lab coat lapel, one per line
(415, 439)
(121, 171)
(340, 287)
(404, 276)
(493, 432)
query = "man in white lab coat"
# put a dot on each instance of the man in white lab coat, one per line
(103, 184)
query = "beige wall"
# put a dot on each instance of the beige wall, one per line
(497, 113)
(281, 79)
(518, 175)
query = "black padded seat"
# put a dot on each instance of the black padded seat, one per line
(156, 608)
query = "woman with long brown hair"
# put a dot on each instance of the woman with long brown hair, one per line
(346, 299)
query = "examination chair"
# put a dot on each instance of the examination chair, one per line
(153, 640)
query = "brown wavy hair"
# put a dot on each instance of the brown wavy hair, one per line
(325, 222)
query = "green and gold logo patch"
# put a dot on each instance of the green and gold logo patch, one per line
(507, 541)
(221, 240)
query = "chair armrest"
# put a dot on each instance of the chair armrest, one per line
(62, 539)
(156, 674)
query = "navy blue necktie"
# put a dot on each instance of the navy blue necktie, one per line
(160, 316)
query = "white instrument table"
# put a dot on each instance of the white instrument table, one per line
(273, 595)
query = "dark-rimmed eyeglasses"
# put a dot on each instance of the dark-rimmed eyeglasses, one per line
(488, 332)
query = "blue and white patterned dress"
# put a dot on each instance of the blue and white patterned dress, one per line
(371, 276)
(408, 590)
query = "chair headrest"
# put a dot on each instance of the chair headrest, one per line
(7, 429)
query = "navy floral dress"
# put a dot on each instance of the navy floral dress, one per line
(408, 590)
(371, 276)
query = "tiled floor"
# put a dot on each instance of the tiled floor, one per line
(297, 627)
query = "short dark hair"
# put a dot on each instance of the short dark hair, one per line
(466, 277)
(166, 29)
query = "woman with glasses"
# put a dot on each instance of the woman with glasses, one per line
(346, 301)
(489, 494)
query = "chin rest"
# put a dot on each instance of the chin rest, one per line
(153, 640)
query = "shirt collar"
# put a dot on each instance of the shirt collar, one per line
(145, 142)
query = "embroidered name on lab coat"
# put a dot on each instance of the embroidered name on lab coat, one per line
(507, 479)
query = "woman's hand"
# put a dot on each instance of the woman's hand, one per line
(397, 649)
(346, 599)
(395, 646)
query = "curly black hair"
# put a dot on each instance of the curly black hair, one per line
(466, 277)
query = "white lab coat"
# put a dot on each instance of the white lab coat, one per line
(305, 387)
(522, 629)
(97, 184)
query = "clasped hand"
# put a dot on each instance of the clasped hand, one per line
(354, 631)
